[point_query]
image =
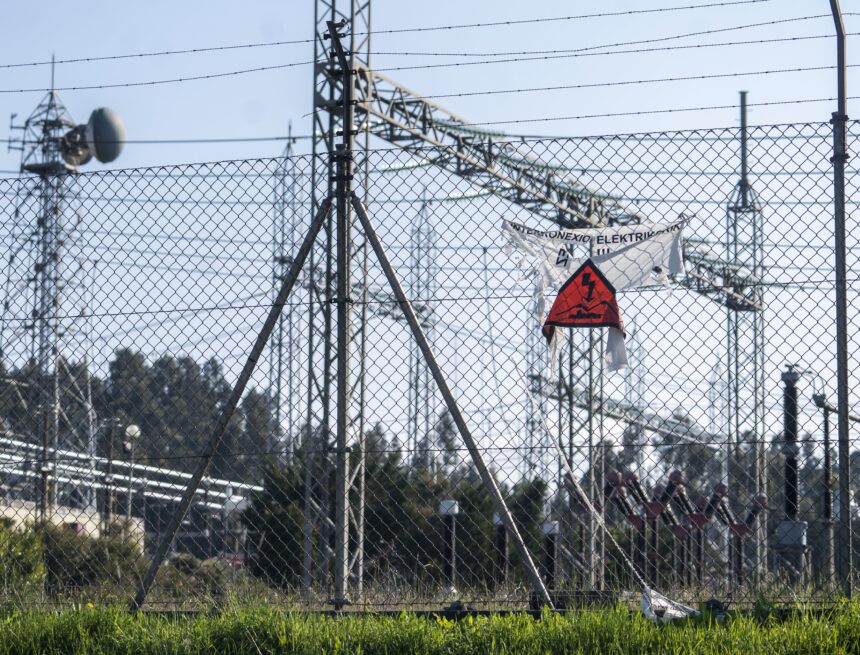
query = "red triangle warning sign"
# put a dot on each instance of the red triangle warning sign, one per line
(587, 299)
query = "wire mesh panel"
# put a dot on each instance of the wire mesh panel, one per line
(133, 298)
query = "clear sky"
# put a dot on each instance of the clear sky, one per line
(261, 104)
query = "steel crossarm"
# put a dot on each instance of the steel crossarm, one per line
(402, 117)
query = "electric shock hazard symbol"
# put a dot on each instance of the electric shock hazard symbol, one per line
(587, 299)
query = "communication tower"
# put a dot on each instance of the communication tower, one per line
(45, 274)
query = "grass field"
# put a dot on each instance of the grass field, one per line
(100, 630)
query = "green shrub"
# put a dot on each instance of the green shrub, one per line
(184, 576)
(21, 559)
(75, 560)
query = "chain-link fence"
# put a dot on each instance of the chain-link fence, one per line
(706, 468)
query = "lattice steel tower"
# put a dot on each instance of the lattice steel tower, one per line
(38, 277)
(284, 349)
(322, 364)
(422, 413)
(745, 374)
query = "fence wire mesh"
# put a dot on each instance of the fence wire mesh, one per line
(132, 299)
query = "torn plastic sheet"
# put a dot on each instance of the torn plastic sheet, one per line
(660, 609)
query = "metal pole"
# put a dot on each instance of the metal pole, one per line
(790, 378)
(108, 480)
(592, 461)
(230, 406)
(827, 514)
(130, 485)
(343, 160)
(550, 552)
(363, 46)
(449, 509)
(840, 156)
(484, 472)
(820, 401)
(500, 547)
(309, 458)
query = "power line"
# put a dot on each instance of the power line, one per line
(646, 112)
(581, 52)
(526, 21)
(630, 82)
(269, 44)
(235, 139)
(161, 53)
(577, 52)
(548, 137)
(174, 80)
(427, 97)
(791, 284)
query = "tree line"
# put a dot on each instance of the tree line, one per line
(176, 401)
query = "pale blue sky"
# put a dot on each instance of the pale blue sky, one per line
(261, 104)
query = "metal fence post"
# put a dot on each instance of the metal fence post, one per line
(448, 510)
(500, 550)
(840, 156)
(343, 165)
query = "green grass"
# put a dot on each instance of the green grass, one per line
(103, 631)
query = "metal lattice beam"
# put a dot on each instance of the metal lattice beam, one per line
(400, 116)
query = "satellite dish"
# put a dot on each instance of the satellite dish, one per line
(105, 134)
(102, 137)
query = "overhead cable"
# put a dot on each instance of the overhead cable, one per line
(269, 44)
(586, 52)
(577, 51)
(531, 21)
(591, 85)
(174, 80)
(646, 112)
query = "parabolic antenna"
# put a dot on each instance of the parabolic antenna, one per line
(102, 137)
(105, 134)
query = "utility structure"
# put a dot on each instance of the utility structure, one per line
(791, 531)
(329, 382)
(284, 349)
(745, 342)
(397, 115)
(346, 199)
(423, 282)
(42, 276)
(819, 398)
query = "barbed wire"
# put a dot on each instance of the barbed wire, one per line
(575, 53)
(646, 112)
(590, 85)
(585, 52)
(268, 44)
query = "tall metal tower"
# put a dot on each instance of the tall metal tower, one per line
(330, 450)
(400, 116)
(535, 409)
(745, 344)
(37, 278)
(422, 413)
(284, 349)
(46, 281)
